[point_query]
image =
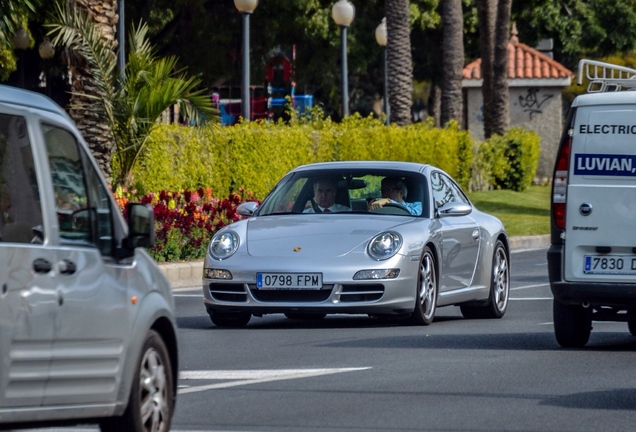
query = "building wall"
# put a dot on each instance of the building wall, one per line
(534, 108)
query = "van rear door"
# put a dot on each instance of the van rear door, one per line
(600, 244)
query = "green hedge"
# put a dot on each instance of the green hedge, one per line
(256, 155)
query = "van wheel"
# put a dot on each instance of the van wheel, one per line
(572, 324)
(236, 319)
(631, 325)
(499, 288)
(151, 402)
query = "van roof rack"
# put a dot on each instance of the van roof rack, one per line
(605, 77)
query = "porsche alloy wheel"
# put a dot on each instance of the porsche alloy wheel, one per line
(497, 303)
(426, 298)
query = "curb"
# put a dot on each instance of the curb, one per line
(189, 274)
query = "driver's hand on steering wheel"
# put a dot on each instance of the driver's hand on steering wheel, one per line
(378, 203)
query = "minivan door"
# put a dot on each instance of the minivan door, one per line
(601, 196)
(28, 297)
(92, 326)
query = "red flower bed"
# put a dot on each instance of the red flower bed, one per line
(186, 221)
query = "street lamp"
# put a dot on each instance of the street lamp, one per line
(246, 7)
(381, 38)
(343, 13)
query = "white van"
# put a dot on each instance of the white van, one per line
(592, 259)
(87, 324)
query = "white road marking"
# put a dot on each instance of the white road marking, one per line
(252, 377)
(529, 286)
(530, 298)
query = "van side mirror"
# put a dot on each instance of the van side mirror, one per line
(141, 226)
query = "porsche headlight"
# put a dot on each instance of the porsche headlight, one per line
(223, 245)
(384, 245)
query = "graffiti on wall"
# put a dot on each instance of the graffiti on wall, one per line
(532, 101)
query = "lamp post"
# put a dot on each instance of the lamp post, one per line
(343, 13)
(246, 7)
(381, 38)
(21, 41)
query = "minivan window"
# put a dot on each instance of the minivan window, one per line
(20, 207)
(82, 203)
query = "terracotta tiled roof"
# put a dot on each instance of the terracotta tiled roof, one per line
(523, 63)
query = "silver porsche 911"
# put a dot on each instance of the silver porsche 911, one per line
(387, 239)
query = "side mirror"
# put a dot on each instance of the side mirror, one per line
(141, 226)
(247, 209)
(454, 209)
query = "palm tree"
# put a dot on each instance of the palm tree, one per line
(91, 121)
(494, 25)
(500, 93)
(452, 61)
(486, 15)
(399, 60)
(124, 110)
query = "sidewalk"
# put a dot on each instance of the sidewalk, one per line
(189, 274)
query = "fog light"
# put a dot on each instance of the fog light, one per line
(210, 273)
(377, 274)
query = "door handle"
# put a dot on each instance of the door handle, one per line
(67, 267)
(476, 235)
(41, 265)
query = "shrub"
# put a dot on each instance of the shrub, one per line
(506, 162)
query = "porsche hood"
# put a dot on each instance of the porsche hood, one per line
(321, 235)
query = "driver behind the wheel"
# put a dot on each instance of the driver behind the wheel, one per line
(394, 191)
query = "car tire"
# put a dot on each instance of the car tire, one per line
(151, 401)
(499, 288)
(572, 324)
(236, 319)
(631, 325)
(304, 316)
(426, 293)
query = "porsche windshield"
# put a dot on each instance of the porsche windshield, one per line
(324, 191)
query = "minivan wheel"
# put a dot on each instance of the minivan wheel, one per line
(499, 288)
(572, 324)
(230, 319)
(151, 402)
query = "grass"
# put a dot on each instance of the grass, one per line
(522, 213)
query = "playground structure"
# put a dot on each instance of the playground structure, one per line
(269, 101)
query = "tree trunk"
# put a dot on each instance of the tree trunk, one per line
(399, 61)
(452, 61)
(500, 93)
(434, 103)
(486, 15)
(92, 123)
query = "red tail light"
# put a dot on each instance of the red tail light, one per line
(560, 184)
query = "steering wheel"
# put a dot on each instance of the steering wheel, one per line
(391, 208)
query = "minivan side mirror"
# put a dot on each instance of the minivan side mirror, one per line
(141, 226)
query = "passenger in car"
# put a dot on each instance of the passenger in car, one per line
(324, 200)
(394, 191)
